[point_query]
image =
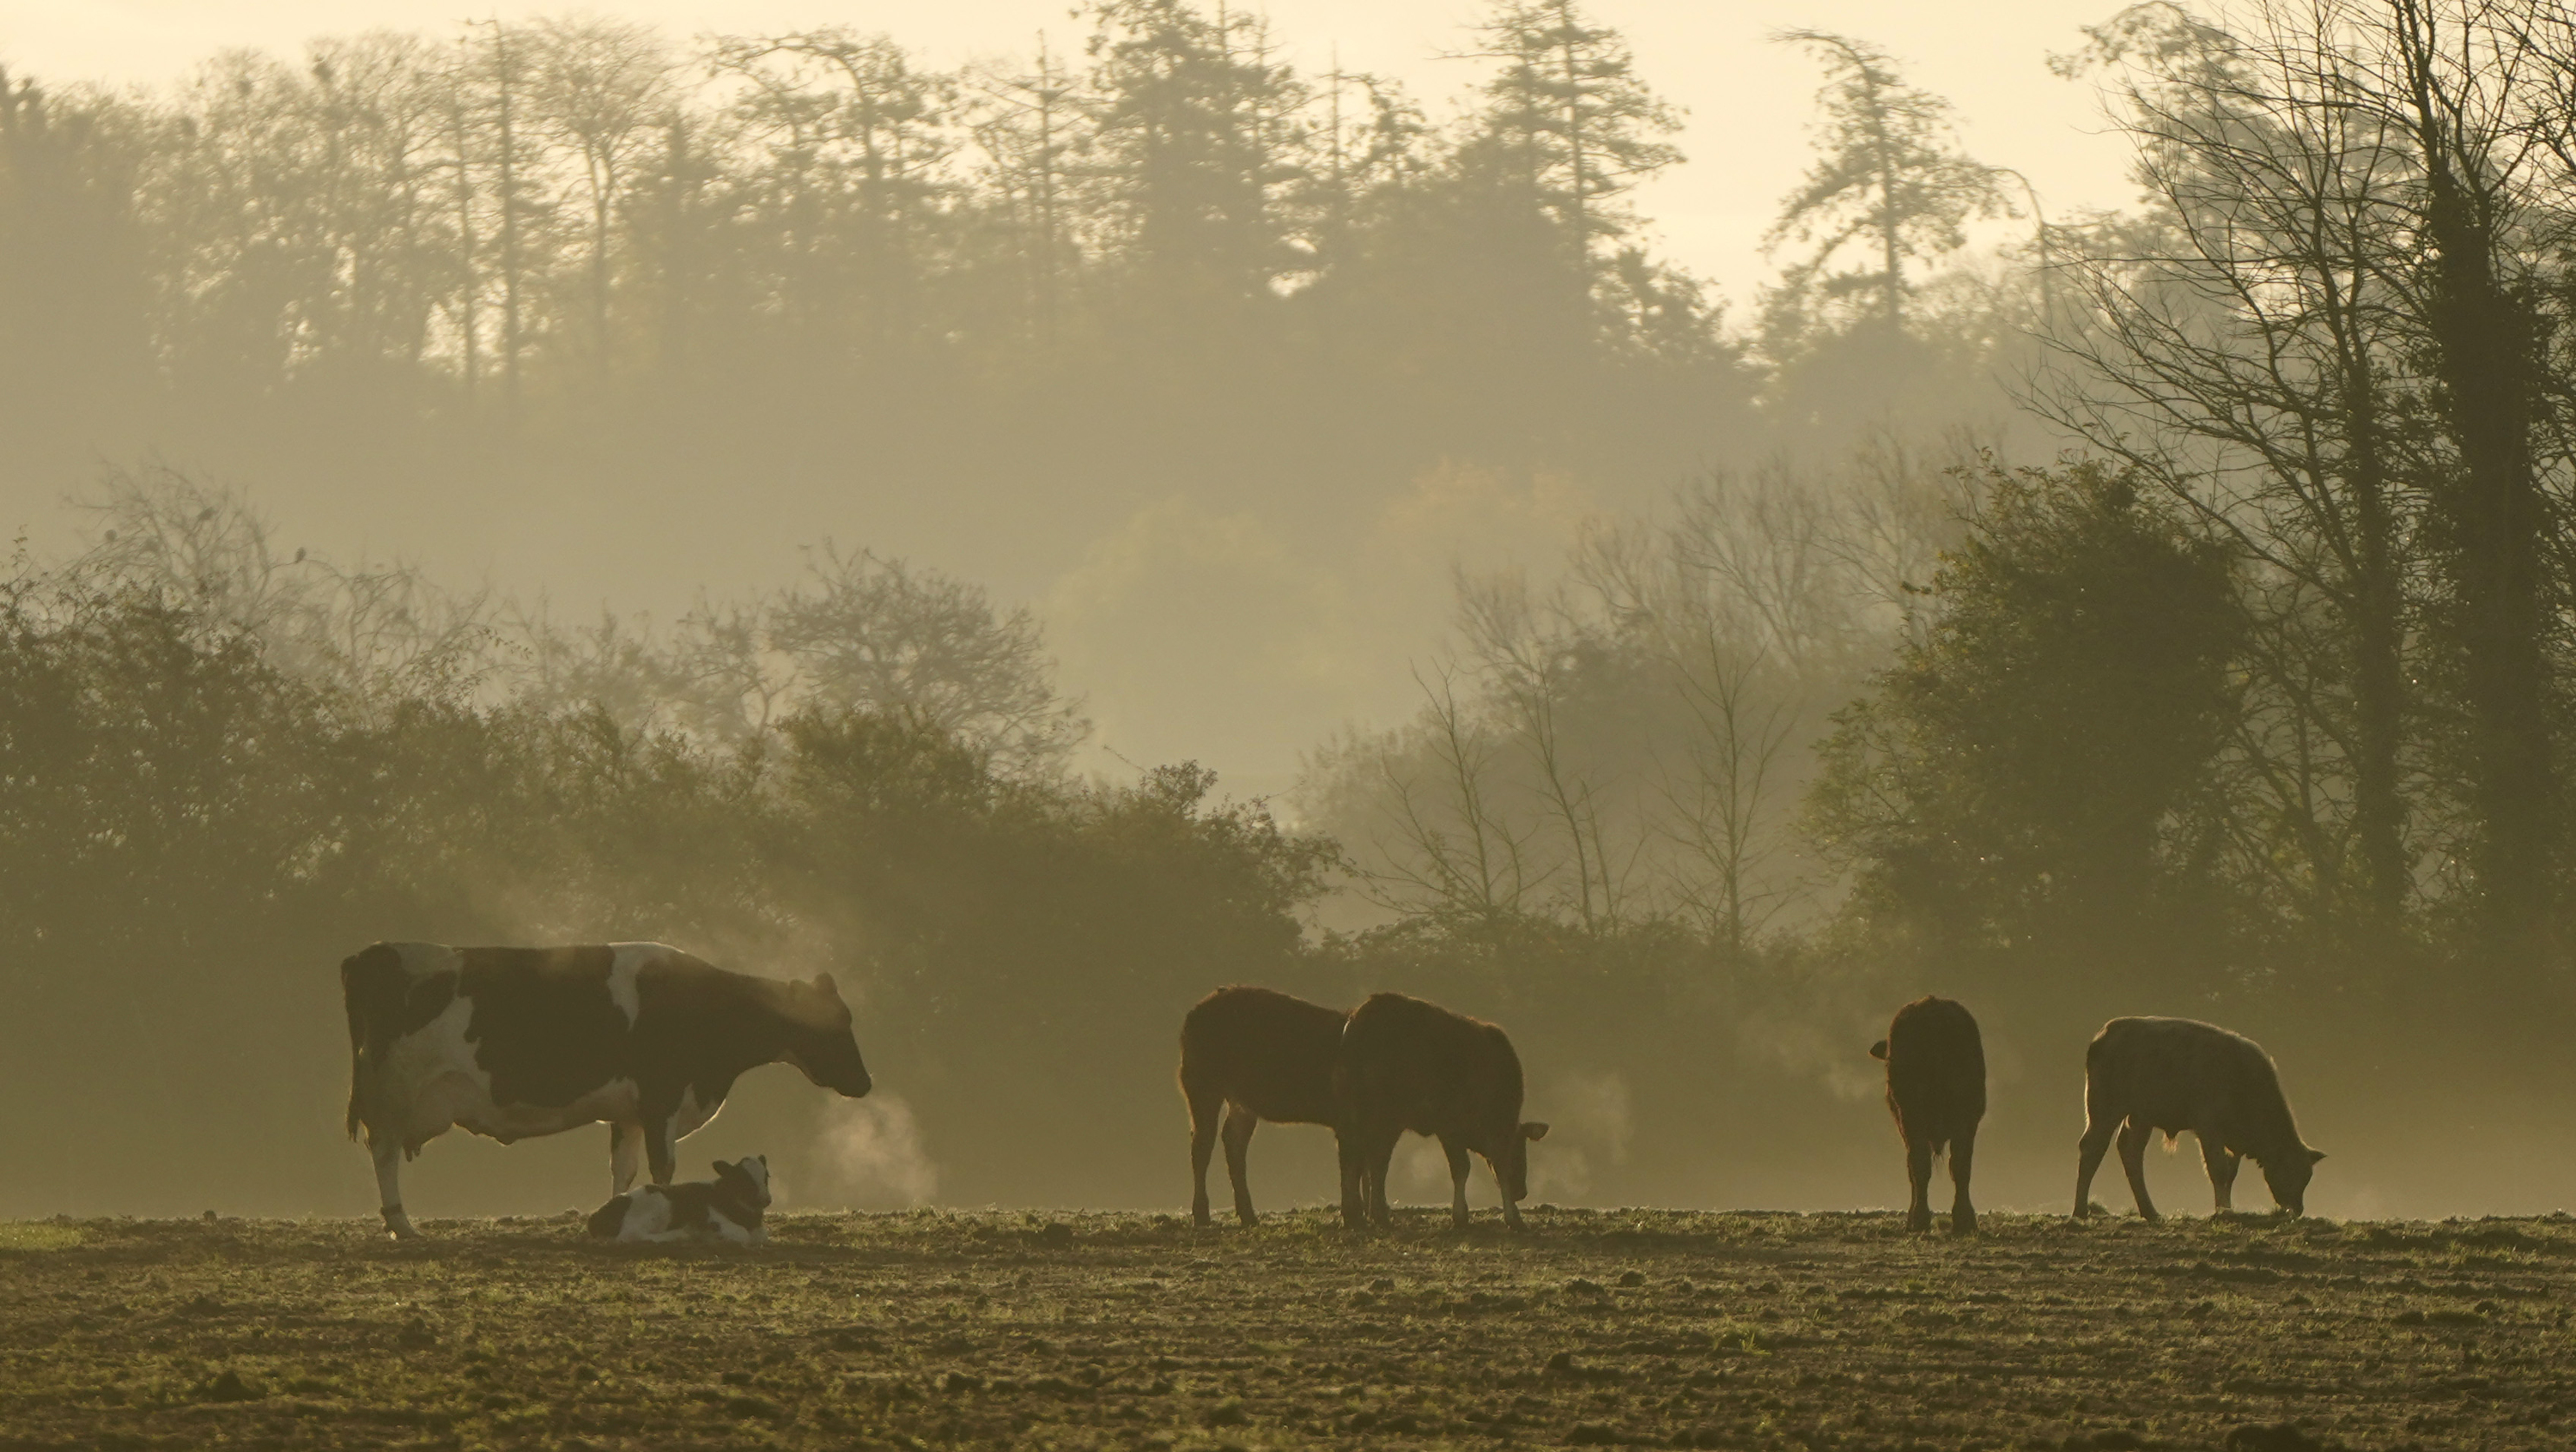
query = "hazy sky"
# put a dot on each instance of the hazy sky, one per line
(1748, 100)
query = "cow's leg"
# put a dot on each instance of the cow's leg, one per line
(1347, 1144)
(388, 1156)
(1206, 1110)
(1918, 1177)
(2133, 1159)
(1381, 1160)
(1459, 1165)
(2221, 1163)
(1963, 1157)
(661, 1152)
(1239, 1125)
(2088, 1158)
(625, 1156)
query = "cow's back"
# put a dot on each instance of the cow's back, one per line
(2174, 1074)
(1268, 1051)
(1936, 1070)
(1418, 1065)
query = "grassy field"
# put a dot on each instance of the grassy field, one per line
(1121, 1330)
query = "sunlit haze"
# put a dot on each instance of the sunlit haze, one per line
(1749, 104)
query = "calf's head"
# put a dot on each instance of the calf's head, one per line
(820, 1041)
(2287, 1177)
(747, 1179)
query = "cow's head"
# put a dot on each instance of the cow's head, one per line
(1510, 1158)
(820, 1041)
(2287, 1176)
(747, 1179)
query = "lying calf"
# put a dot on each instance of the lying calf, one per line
(726, 1209)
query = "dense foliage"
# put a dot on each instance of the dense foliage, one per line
(193, 835)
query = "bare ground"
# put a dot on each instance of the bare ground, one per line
(1120, 1330)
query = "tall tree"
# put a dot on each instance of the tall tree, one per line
(1200, 140)
(2249, 346)
(1575, 125)
(859, 139)
(75, 325)
(2015, 779)
(2469, 85)
(1891, 177)
(601, 89)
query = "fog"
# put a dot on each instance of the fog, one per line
(1745, 103)
(1042, 516)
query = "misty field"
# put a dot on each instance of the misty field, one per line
(1126, 1330)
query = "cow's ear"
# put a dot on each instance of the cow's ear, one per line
(2315, 1155)
(1878, 1050)
(1534, 1130)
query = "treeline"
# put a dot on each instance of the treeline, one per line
(578, 250)
(2255, 705)
(199, 816)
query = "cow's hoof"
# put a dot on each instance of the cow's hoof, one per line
(1963, 1225)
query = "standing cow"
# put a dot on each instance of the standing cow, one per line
(1250, 1054)
(1410, 1065)
(2173, 1074)
(1936, 1088)
(516, 1042)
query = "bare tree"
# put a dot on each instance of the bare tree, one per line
(1440, 840)
(877, 634)
(599, 90)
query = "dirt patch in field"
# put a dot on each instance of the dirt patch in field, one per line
(1599, 1328)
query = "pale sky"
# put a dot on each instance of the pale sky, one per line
(1748, 101)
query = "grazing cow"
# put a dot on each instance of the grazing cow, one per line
(2173, 1074)
(1254, 1055)
(727, 1209)
(1936, 1088)
(516, 1042)
(1406, 1064)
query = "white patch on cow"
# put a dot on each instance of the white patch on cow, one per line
(625, 962)
(648, 1215)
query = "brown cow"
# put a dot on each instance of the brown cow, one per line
(2173, 1074)
(1406, 1064)
(1255, 1055)
(1936, 1088)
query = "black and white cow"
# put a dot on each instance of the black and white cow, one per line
(515, 1042)
(726, 1210)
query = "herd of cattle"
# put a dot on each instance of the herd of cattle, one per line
(515, 1042)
